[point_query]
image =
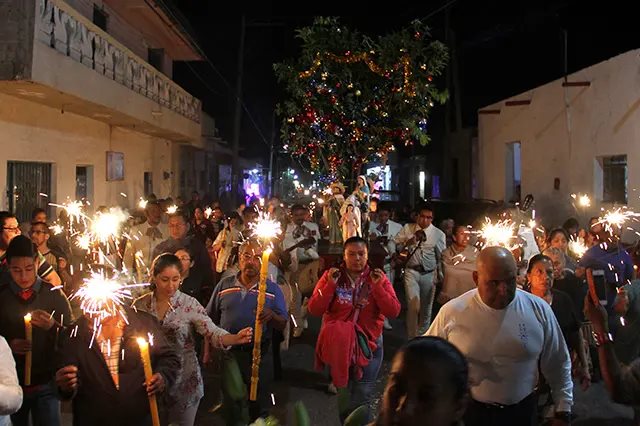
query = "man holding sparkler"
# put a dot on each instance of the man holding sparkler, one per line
(233, 307)
(28, 302)
(102, 359)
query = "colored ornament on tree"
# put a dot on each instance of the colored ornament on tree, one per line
(351, 98)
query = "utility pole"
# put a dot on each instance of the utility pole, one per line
(272, 152)
(237, 121)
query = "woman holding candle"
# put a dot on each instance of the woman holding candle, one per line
(181, 317)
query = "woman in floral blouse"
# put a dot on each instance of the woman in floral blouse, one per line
(182, 315)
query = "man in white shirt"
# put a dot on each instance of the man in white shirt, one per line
(301, 240)
(144, 238)
(507, 335)
(423, 244)
(381, 239)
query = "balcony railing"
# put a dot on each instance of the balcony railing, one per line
(64, 29)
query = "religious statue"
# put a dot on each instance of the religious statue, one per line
(332, 211)
(350, 222)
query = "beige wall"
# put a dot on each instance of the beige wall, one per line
(562, 132)
(32, 132)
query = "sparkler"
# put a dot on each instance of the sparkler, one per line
(74, 210)
(577, 247)
(500, 233)
(57, 229)
(582, 199)
(108, 225)
(613, 220)
(172, 209)
(101, 297)
(265, 229)
(83, 241)
(208, 212)
(142, 204)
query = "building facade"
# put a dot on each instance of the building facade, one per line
(575, 135)
(88, 108)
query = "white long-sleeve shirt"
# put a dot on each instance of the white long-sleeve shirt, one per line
(10, 390)
(425, 254)
(393, 228)
(503, 347)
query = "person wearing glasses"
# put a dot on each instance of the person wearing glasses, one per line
(10, 230)
(423, 245)
(233, 307)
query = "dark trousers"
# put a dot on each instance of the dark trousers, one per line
(521, 414)
(43, 405)
(260, 408)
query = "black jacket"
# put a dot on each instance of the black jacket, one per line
(45, 342)
(97, 401)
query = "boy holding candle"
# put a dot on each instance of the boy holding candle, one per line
(24, 294)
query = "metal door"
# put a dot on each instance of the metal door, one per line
(26, 184)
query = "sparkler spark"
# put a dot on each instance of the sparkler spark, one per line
(208, 212)
(83, 241)
(577, 247)
(102, 297)
(500, 233)
(57, 229)
(107, 225)
(142, 204)
(172, 209)
(266, 228)
(613, 220)
(74, 210)
(582, 199)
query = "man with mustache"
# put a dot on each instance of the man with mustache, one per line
(233, 307)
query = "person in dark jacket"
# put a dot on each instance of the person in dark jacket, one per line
(104, 376)
(26, 293)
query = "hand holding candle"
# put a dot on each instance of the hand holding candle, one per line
(257, 339)
(151, 380)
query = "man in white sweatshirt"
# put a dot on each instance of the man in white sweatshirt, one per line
(507, 335)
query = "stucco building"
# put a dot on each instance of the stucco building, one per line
(88, 108)
(574, 135)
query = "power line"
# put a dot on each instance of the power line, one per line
(201, 52)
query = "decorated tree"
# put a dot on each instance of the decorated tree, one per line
(352, 98)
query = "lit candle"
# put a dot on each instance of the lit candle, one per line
(257, 334)
(148, 372)
(28, 333)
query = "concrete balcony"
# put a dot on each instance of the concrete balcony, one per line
(61, 59)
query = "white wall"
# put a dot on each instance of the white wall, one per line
(32, 132)
(563, 141)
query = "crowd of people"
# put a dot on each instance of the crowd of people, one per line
(496, 335)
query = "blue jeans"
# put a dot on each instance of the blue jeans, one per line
(43, 405)
(360, 391)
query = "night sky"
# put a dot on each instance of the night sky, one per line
(504, 48)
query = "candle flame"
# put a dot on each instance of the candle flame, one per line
(143, 203)
(142, 342)
(28, 317)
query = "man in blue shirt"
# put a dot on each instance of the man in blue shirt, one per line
(233, 307)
